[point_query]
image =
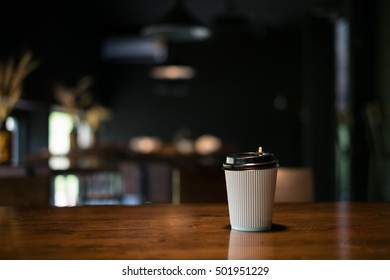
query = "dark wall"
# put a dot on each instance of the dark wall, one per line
(62, 37)
(319, 98)
(232, 95)
(241, 75)
(64, 40)
(240, 72)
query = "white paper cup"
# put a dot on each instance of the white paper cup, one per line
(251, 192)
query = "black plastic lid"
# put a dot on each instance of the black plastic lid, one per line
(250, 160)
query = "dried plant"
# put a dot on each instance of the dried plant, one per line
(77, 98)
(96, 115)
(12, 76)
(79, 101)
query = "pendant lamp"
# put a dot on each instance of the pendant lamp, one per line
(178, 25)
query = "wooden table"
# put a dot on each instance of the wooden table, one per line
(300, 231)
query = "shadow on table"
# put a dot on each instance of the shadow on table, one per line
(274, 228)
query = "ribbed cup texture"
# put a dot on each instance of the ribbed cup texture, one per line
(251, 195)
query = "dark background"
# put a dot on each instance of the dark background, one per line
(282, 50)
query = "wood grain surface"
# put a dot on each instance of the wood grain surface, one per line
(165, 231)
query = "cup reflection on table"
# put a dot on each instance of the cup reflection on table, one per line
(250, 245)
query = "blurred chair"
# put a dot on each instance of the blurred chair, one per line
(379, 150)
(25, 191)
(202, 184)
(159, 182)
(207, 185)
(146, 182)
(294, 184)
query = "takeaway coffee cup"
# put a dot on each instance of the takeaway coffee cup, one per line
(250, 184)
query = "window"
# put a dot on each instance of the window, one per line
(65, 187)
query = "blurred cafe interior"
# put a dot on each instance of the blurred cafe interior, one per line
(132, 102)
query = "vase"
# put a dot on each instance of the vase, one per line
(6, 137)
(85, 135)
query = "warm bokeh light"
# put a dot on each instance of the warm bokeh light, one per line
(173, 72)
(207, 144)
(145, 144)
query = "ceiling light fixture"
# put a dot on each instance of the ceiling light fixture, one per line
(178, 25)
(173, 72)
